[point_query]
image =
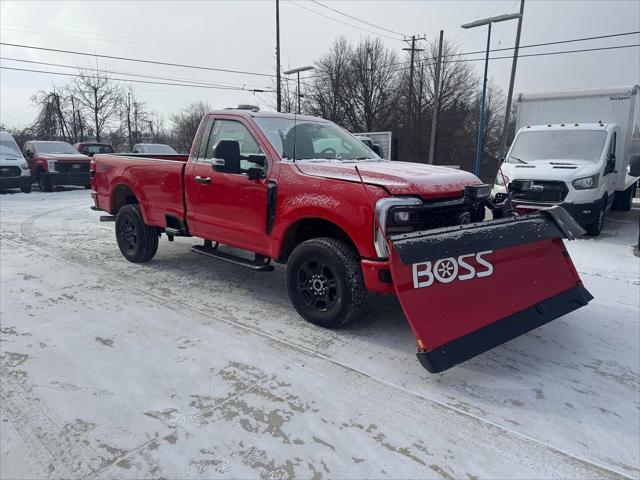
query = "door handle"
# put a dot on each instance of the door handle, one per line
(205, 180)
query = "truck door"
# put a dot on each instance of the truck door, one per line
(610, 169)
(226, 206)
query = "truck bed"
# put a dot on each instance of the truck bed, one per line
(156, 180)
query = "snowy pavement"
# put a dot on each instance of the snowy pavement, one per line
(192, 368)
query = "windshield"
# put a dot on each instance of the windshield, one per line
(7, 147)
(54, 147)
(96, 148)
(584, 145)
(313, 140)
(155, 148)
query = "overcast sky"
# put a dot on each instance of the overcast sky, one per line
(240, 35)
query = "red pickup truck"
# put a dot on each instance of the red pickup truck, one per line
(56, 163)
(302, 191)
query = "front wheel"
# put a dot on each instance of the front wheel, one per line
(137, 241)
(25, 188)
(325, 282)
(596, 227)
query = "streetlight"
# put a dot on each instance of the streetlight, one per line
(298, 70)
(479, 23)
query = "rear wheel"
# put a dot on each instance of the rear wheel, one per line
(325, 282)
(596, 227)
(624, 200)
(137, 241)
(44, 182)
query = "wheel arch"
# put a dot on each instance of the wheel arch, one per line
(122, 195)
(308, 228)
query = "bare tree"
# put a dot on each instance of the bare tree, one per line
(100, 97)
(186, 122)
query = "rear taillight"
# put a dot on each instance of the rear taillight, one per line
(92, 168)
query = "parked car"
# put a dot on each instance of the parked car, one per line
(91, 148)
(159, 148)
(346, 222)
(587, 168)
(14, 170)
(56, 163)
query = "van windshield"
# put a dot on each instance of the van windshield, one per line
(583, 145)
(7, 147)
(305, 140)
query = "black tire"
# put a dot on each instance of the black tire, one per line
(624, 200)
(137, 241)
(44, 182)
(325, 282)
(87, 187)
(596, 227)
(26, 188)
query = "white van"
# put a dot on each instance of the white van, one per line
(14, 170)
(575, 148)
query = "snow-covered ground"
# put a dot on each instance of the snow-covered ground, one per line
(192, 368)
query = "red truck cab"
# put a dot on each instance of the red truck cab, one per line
(56, 163)
(302, 191)
(91, 148)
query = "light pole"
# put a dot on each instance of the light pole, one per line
(297, 71)
(478, 23)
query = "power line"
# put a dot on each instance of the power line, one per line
(541, 54)
(153, 62)
(557, 42)
(49, 64)
(358, 19)
(342, 22)
(128, 80)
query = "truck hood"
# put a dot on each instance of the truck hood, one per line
(398, 178)
(69, 157)
(11, 160)
(562, 170)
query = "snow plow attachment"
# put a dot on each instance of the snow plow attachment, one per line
(469, 288)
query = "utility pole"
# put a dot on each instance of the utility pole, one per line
(436, 101)
(278, 83)
(505, 128)
(413, 50)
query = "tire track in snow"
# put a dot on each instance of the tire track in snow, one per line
(528, 449)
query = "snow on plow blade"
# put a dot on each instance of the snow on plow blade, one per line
(469, 288)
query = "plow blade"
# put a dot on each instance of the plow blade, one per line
(469, 288)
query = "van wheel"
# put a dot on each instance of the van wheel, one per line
(624, 200)
(595, 228)
(137, 241)
(325, 282)
(44, 182)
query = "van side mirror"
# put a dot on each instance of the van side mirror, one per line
(28, 154)
(377, 149)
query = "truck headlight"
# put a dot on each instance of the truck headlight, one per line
(24, 166)
(381, 220)
(586, 183)
(51, 165)
(502, 180)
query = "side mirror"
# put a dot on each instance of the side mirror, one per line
(377, 149)
(28, 154)
(85, 151)
(229, 152)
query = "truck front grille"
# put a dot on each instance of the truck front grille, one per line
(72, 167)
(9, 172)
(545, 191)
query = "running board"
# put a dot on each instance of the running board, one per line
(260, 264)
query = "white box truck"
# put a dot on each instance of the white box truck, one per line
(579, 149)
